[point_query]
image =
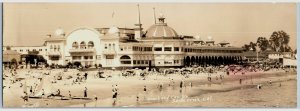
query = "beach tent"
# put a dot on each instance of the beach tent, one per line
(47, 86)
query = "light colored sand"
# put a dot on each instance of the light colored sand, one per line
(131, 87)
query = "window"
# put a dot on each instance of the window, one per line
(40, 49)
(91, 57)
(134, 61)
(76, 57)
(142, 62)
(125, 62)
(21, 50)
(176, 61)
(74, 45)
(168, 62)
(157, 49)
(82, 45)
(55, 58)
(90, 44)
(141, 48)
(135, 48)
(54, 47)
(121, 49)
(168, 49)
(58, 48)
(125, 57)
(109, 56)
(176, 48)
(86, 57)
(105, 47)
(147, 49)
(138, 62)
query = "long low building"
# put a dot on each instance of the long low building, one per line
(158, 46)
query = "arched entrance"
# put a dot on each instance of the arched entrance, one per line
(193, 60)
(187, 61)
(125, 59)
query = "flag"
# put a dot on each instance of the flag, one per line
(113, 14)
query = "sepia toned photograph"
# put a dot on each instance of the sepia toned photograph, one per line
(200, 55)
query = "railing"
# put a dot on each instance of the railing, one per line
(82, 50)
(51, 53)
(109, 52)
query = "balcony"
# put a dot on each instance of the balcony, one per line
(82, 50)
(52, 53)
(109, 52)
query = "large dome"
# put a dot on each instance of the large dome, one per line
(160, 29)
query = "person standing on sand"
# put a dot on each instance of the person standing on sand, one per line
(145, 89)
(240, 81)
(58, 92)
(85, 92)
(85, 76)
(181, 85)
(114, 93)
(70, 96)
(43, 92)
(30, 90)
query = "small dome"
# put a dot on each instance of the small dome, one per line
(113, 30)
(209, 38)
(161, 15)
(59, 32)
(197, 37)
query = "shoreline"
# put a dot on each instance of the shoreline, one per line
(132, 86)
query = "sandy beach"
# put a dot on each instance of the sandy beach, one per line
(227, 92)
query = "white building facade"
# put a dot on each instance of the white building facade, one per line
(158, 46)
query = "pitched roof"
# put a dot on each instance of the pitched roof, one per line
(11, 52)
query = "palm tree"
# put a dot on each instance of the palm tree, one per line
(262, 43)
(279, 40)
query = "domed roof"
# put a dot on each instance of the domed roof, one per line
(59, 32)
(209, 38)
(113, 30)
(160, 29)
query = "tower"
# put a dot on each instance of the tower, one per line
(154, 15)
(161, 18)
(138, 27)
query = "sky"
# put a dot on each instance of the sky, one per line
(27, 24)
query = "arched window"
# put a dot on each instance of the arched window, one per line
(90, 44)
(75, 45)
(125, 59)
(54, 47)
(58, 47)
(51, 47)
(82, 45)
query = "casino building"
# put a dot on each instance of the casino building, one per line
(157, 46)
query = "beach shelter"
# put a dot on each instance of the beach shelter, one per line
(47, 86)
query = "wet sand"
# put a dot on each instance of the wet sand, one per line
(220, 93)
